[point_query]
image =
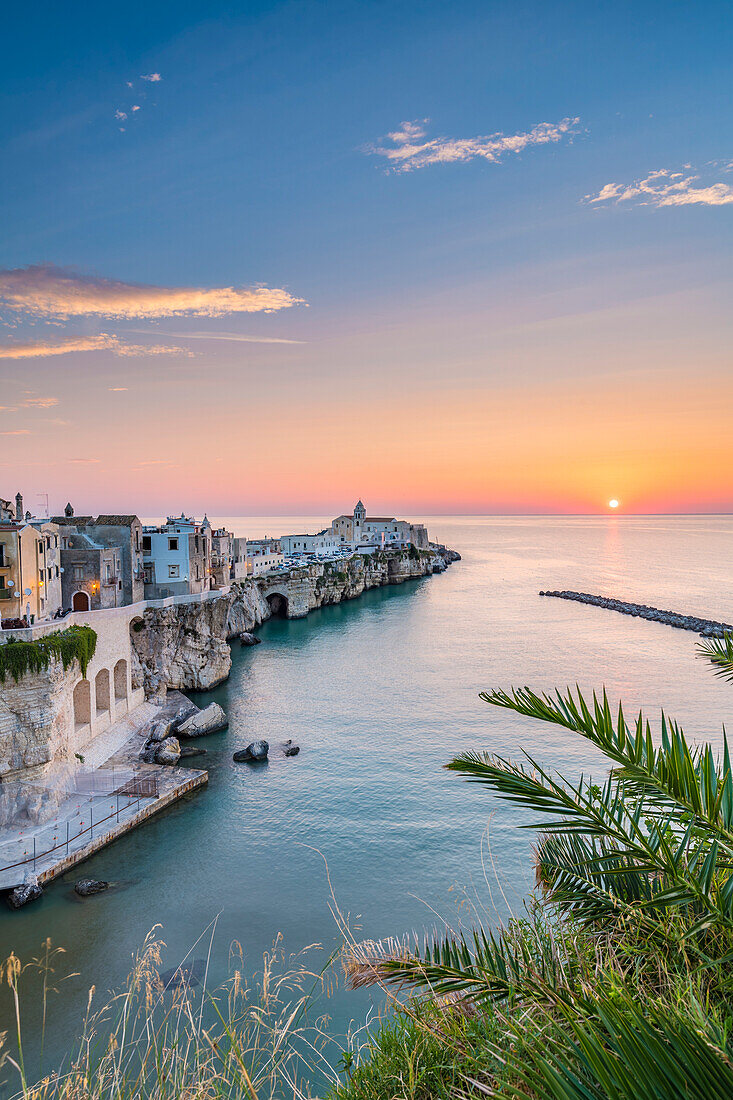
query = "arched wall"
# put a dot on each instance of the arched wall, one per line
(82, 704)
(102, 690)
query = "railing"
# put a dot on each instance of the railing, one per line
(137, 788)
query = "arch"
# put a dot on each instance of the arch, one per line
(80, 601)
(278, 604)
(120, 679)
(101, 691)
(82, 704)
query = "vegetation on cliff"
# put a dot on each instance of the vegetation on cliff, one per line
(618, 984)
(76, 643)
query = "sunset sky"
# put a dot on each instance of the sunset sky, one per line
(449, 257)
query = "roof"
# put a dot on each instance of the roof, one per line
(380, 519)
(116, 521)
(72, 521)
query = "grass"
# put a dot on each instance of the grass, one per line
(180, 1041)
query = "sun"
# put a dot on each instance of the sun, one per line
(613, 503)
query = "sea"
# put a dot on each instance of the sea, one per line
(365, 826)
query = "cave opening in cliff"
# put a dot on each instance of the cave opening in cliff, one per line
(278, 605)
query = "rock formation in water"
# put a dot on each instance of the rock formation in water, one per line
(185, 646)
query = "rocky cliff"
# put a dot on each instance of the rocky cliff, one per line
(185, 646)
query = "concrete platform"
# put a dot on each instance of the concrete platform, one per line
(111, 794)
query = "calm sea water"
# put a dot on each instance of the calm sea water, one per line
(380, 693)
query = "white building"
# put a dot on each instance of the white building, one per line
(323, 544)
(263, 554)
(177, 557)
(376, 532)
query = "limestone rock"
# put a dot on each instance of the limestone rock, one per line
(209, 720)
(291, 750)
(256, 750)
(181, 715)
(160, 730)
(189, 973)
(247, 638)
(191, 750)
(168, 751)
(85, 887)
(21, 895)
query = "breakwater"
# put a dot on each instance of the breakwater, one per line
(708, 628)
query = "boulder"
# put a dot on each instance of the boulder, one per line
(181, 715)
(291, 750)
(256, 750)
(21, 895)
(85, 887)
(189, 973)
(160, 730)
(148, 754)
(189, 750)
(246, 638)
(209, 720)
(168, 751)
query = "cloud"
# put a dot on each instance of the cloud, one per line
(84, 461)
(49, 291)
(41, 349)
(410, 149)
(18, 431)
(135, 107)
(33, 402)
(666, 188)
(153, 78)
(236, 337)
(118, 389)
(121, 115)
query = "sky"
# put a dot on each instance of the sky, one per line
(265, 258)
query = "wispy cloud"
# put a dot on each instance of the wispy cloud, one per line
(41, 349)
(409, 148)
(153, 78)
(236, 337)
(49, 291)
(666, 188)
(33, 401)
(118, 389)
(120, 115)
(84, 461)
(18, 431)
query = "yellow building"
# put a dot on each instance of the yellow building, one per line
(25, 566)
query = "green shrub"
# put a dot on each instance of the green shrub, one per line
(421, 1052)
(77, 643)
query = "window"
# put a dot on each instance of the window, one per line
(78, 572)
(174, 571)
(2, 555)
(173, 544)
(147, 544)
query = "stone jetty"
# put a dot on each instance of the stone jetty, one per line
(708, 628)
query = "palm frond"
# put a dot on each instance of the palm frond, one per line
(719, 652)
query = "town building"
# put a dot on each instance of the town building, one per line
(30, 567)
(221, 557)
(121, 574)
(263, 554)
(368, 532)
(177, 557)
(322, 544)
(91, 572)
(240, 560)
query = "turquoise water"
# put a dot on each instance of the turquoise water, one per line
(379, 693)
